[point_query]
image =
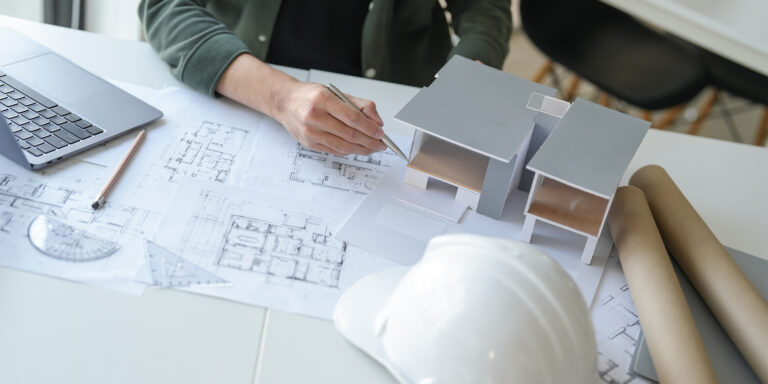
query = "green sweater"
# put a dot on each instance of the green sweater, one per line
(404, 41)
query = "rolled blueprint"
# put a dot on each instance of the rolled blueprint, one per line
(733, 300)
(677, 350)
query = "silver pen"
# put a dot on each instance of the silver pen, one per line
(386, 140)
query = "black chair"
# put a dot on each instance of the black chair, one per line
(615, 52)
(737, 80)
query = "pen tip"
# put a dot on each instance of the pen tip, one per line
(95, 205)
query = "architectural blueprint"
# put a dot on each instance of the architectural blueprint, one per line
(617, 326)
(277, 251)
(204, 150)
(282, 163)
(186, 146)
(64, 200)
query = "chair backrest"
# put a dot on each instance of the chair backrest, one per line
(555, 25)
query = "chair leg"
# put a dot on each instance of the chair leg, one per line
(669, 117)
(570, 89)
(604, 100)
(706, 108)
(646, 115)
(762, 129)
(542, 72)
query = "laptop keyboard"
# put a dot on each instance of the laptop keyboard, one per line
(39, 124)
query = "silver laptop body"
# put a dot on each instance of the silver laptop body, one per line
(52, 108)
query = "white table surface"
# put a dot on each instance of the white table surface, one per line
(735, 29)
(59, 331)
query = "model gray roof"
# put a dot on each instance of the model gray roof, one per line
(475, 106)
(591, 147)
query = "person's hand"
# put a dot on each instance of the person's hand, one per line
(319, 120)
(310, 112)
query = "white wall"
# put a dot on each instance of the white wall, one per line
(116, 18)
(25, 9)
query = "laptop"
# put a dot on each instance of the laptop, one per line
(52, 109)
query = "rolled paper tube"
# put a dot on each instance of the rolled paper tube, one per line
(733, 300)
(677, 350)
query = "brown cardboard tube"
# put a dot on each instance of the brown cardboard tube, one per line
(675, 344)
(733, 300)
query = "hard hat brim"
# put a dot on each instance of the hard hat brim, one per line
(357, 309)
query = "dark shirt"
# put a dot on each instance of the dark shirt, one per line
(319, 34)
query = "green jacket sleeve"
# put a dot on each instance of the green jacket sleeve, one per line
(188, 37)
(484, 27)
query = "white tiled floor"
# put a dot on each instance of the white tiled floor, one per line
(524, 60)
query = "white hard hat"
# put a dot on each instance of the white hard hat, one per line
(473, 310)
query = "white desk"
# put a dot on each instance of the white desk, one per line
(735, 29)
(58, 331)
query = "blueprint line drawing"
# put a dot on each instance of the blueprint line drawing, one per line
(617, 327)
(278, 251)
(185, 147)
(207, 152)
(80, 243)
(299, 248)
(22, 197)
(352, 173)
(280, 163)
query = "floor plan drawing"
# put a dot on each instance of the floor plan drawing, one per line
(207, 152)
(352, 173)
(54, 227)
(298, 248)
(185, 147)
(617, 327)
(274, 256)
(287, 165)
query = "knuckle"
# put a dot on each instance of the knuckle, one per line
(312, 112)
(317, 95)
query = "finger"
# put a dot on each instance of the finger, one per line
(326, 149)
(353, 118)
(336, 127)
(368, 108)
(340, 145)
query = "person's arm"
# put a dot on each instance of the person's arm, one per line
(204, 54)
(484, 27)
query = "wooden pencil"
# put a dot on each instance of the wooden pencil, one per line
(100, 199)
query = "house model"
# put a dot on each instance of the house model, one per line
(578, 168)
(486, 132)
(473, 130)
